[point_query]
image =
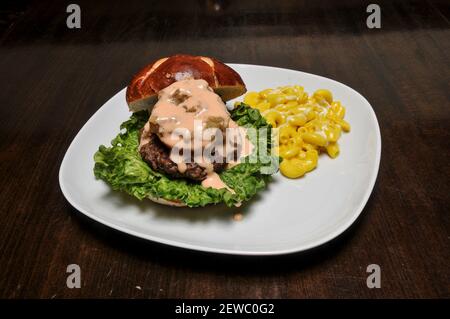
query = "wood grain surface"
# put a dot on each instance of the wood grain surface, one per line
(54, 78)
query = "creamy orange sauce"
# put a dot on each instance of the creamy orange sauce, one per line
(200, 104)
(144, 136)
(192, 106)
(213, 180)
(238, 217)
(181, 166)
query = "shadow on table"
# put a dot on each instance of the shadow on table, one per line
(172, 256)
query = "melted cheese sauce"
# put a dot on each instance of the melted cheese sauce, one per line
(144, 136)
(213, 180)
(193, 106)
(183, 103)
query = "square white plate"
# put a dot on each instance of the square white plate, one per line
(289, 216)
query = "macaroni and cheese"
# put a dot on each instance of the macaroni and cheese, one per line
(307, 125)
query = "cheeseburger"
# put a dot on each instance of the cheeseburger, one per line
(181, 145)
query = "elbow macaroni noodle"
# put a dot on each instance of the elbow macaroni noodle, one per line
(308, 125)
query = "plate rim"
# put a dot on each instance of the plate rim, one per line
(175, 243)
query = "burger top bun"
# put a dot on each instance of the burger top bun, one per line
(142, 92)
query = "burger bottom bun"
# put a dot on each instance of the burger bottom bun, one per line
(172, 203)
(167, 202)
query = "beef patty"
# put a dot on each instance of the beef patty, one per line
(157, 155)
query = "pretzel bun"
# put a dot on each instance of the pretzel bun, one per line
(142, 92)
(166, 202)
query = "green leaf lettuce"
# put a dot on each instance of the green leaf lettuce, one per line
(122, 167)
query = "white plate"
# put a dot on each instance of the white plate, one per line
(289, 216)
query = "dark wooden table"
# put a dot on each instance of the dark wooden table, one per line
(54, 78)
